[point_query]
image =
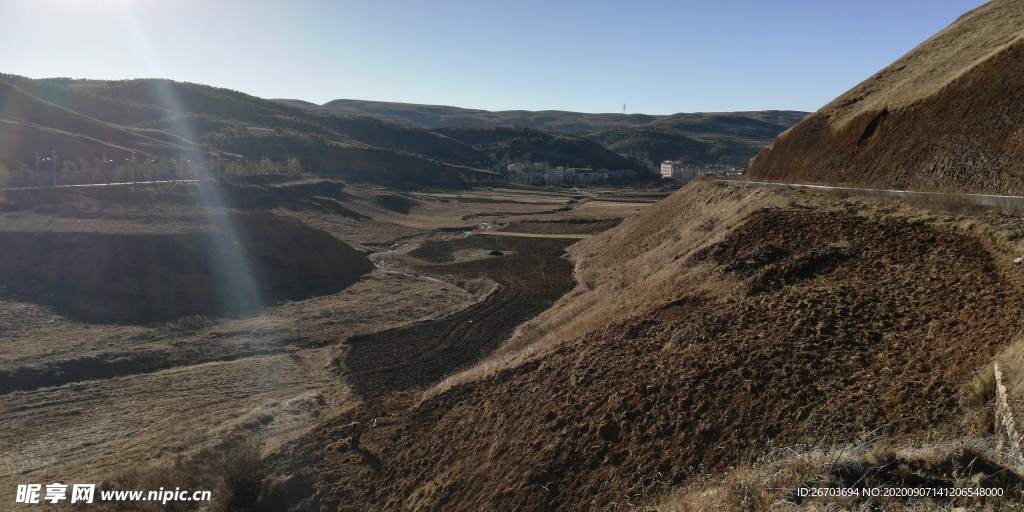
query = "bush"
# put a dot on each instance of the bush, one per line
(242, 470)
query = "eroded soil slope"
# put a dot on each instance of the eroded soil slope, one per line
(946, 115)
(817, 320)
(530, 276)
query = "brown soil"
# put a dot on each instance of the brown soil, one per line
(530, 277)
(248, 262)
(90, 400)
(941, 117)
(562, 227)
(826, 322)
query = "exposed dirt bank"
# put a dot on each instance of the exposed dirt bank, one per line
(944, 116)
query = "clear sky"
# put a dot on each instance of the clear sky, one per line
(655, 56)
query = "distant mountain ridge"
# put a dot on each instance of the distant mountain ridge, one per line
(94, 124)
(440, 116)
(709, 137)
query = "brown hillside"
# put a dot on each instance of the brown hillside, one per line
(753, 318)
(224, 264)
(946, 115)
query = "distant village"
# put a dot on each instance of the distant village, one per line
(685, 173)
(541, 173)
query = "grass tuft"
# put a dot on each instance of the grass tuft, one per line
(782, 480)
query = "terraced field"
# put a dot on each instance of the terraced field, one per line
(531, 276)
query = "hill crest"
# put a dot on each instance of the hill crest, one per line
(944, 116)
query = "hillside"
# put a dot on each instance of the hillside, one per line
(438, 116)
(944, 116)
(90, 119)
(735, 344)
(256, 304)
(527, 144)
(722, 322)
(723, 137)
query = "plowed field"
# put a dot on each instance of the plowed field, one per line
(531, 276)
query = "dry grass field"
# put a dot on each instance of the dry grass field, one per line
(92, 401)
(754, 341)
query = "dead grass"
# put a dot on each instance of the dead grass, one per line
(925, 70)
(982, 387)
(190, 323)
(618, 279)
(233, 472)
(946, 202)
(783, 479)
(1011, 366)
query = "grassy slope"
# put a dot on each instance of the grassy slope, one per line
(727, 137)
(539, 146)
(718, 322)
(33, 124)
(942, 116)
(165, 118)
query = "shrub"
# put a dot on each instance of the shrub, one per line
(242, 470)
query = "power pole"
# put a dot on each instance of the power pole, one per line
(55, 168)
(39, 176)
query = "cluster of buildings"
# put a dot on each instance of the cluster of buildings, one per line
(541, 174)
(686, 173)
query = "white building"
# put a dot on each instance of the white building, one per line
(679, 171)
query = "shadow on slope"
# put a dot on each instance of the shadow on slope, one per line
(150, 278)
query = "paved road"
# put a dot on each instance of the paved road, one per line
(105, 184)
(983, 199)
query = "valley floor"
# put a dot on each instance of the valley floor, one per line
(100, 402)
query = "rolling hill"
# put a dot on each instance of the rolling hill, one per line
(944, 116)
(723, 138)
(85, 121)
(518, 143)
(437, 116)
(89, 119)
(716, 137)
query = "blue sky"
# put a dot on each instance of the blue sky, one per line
(657, 57)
